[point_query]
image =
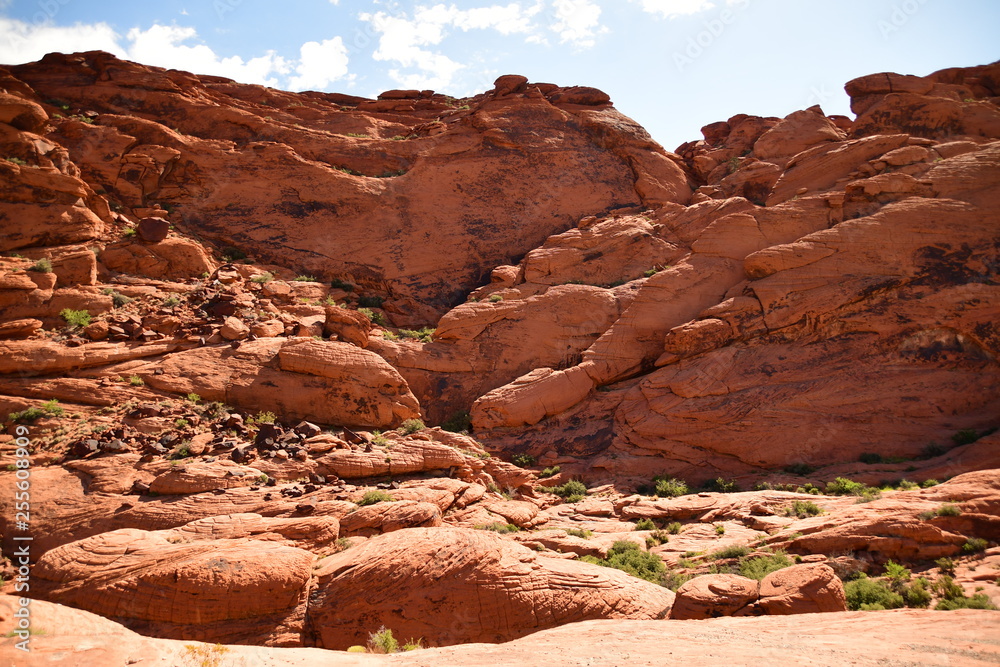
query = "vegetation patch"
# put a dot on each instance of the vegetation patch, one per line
(629, 557)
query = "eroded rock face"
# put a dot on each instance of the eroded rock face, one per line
(488, 590)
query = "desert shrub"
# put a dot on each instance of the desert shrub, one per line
(550, 472)
(870, 595)
(842, 486)
(966, 436)
(204, 656)
(425, 335)
(411, 426)
(723, 485)
(656, 538)
(928, 483)
(734, 551)
(946, 565)
(181, 423)
(370, 301)
(382, 641)
(917, 594)
(674, 580)
(645, 524)
(75, 318)
(977, 601)
(949, 509)
(674, 528)
(803, 508)
(372, 497)
(870, 458)
(261, 418)
(194, 398)
(629, 557)
(907, 485)
(495, 298)
(233, 254)
(44, 265)
(758, 567)
(569, 490)
(498, 527)
(26, 415)
(578, 532)
(720, 529)
(460, 422)
(136, 381)
(170, 301)
(413, 644)
(262, 278)
(800, 469)
(974, 544)
(304, 279)
(670, 488)
(53, 408)
(523, 460)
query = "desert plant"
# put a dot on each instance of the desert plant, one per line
(425, 335)
(801, 469)
(578, 532)
(572, 491)
(523, 460)
(948, 509)
(907, 485)
(459, 422)
(26, 415)
(656, 538)
(720, 529)
(866, 594)
(411, 426)
(181, 423)
(758, 567)
(376, 318)
(974, 544)
(337, 283)
(75, 318)
(649, 273)
(497, 527)
(170, 301)
(44, 265)
(733, 551)
(233, 254)
(645, 524)
(928, 483)
(670, 488)
(723, 485)
(262, 278)
(803, 508)
(117, 298)
(629, 557)
(495, 298)
(382, 641)
(194, 398)
(204, 655)
(261, 418)
(372, 497)
(674, 528)
(966, 436)
(304, 279)
(53, 408)
(842, 486)
(946, 565)
(136, 381)
(16, 160)
(549, 472)
(370, 301)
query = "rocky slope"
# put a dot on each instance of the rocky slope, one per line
(227, 313)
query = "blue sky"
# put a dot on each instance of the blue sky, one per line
(673, 65)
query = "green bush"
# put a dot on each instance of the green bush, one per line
(801, 469)
(136, 381)
(966, 436)
(949, 509)
(571, 489)
(974, 544)
(907, 485)
(977, 601)
(523, 460)
(577, 532)
(674, 528)
(194, 398)
(382, 641)
(870, 458)
(842, 486)
(629, 557)
(928, 483)
(26, 415)
(495, 298)
(871, 594)
(117, 298)
(723, 485)
(233, 254)
(425, 335)
(803, 509)
(670, 488)
(304, 279)
(720, 529)
(262, 278)
(170, 301)
(656, 538)
(759, 567)
(460, 422)
(53, 408)
(645, 524)
(372, 497)
(497, 527)
(946, 565)
(376, 318)
(550, 472)
(734, 551)
(75, 318)
(412, 426)
(44, 265)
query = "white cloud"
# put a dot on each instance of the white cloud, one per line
(320, 64)
(578, 22)
(176, 47)
(404, 40)
(670, 9)
(163, 46)
(22, 42)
